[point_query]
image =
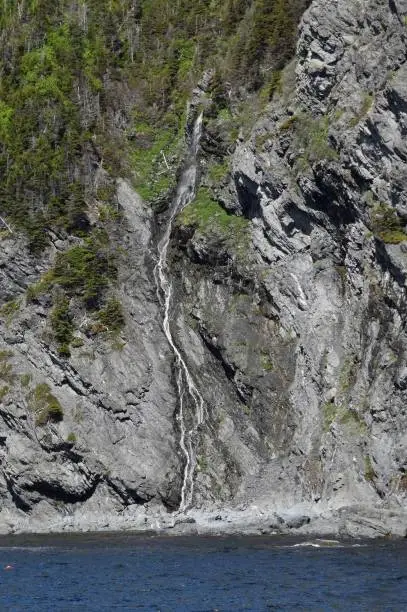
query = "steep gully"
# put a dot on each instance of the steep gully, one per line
(186, 387)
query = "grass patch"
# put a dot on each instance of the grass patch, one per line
(3, 392)
(25, 380)
(42, 286)
(352, 420)
(118, 345)
(218, 172)
(370, 473)
(288, 123)
(202, 463)
(71, 438)
(266, 362)
(343, 415)
(6, 369)
(312, 136)
(210, 219)
(366, 105)
(387, 225)
(156, 148)
(10, 309)
(329, 411)
(44, 405)
(347, 374)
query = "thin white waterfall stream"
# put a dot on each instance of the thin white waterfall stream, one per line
(185, 384)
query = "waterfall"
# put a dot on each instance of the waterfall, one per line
(185, 384)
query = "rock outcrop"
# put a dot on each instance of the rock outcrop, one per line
(305, 327)
(114, 447)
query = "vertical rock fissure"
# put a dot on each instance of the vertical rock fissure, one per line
(186, 386)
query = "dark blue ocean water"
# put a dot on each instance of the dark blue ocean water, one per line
(200, 574)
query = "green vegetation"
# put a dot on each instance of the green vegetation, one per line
(3, 391)
(9, 310)
(81, 275)
(6, 369)
(207, 215)
(71, 438)
(366, 105)
(351, 419)
(312, 135)
(118, 345)
(111, 316)
(289, 123)
(84, 271)
(202, 463)
(105, 83)
(25, 380)
(347, 374)
(370, 473)
(329, 411)
(266, 362)
(343, 275)
(402, 483)
(210, 219)
(55, 99)
(154, 159)
(44, 405)
(218, 171)
(78, 414)
(262, 32)
(95, 89)
(62, 325)
(387, 225)
(6, 372)
(343, 415)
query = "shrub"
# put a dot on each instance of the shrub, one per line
(62, 325)
(45, 405)
(111, 316)
(312, 135)
(25, 379)
(210, 219)
(386, 224)
(9, 309)
(85, 269)
(208, 216)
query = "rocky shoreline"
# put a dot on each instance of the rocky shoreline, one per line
(356, 522)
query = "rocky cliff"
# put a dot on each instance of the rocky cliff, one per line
(288, 307)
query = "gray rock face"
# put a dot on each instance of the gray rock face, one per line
(116, 441)
(292, 324)
(307, 331)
